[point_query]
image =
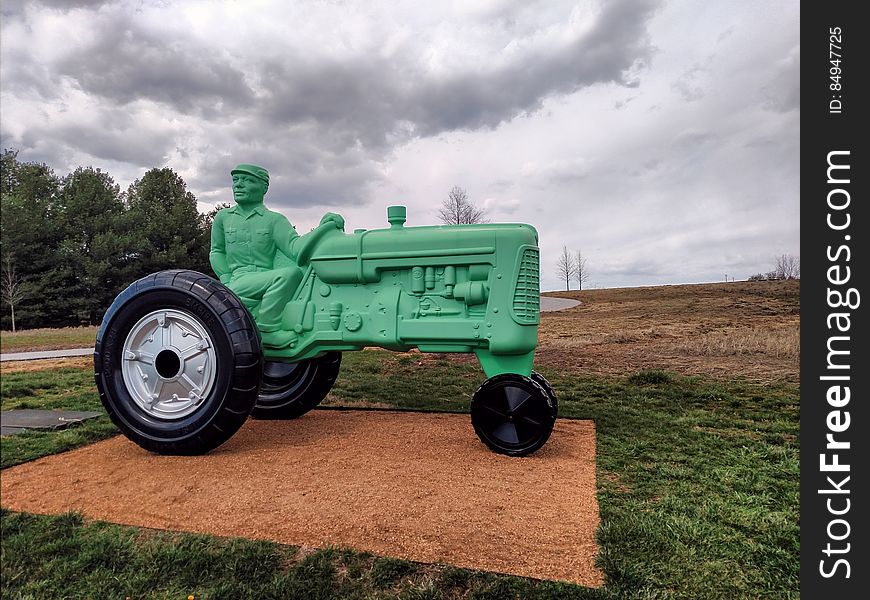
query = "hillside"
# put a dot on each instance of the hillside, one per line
(747, 329)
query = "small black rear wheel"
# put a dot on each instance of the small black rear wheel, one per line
(513, 414)
(289, 390)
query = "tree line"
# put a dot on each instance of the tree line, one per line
(70, 243)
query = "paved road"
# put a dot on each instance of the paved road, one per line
(46, 354)
(547, 305)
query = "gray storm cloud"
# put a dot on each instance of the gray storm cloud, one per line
(328, 119)
(658, 137)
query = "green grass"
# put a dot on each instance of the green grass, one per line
(67, 557)
(650, 377)
(66, 388)
(400, 380)
(697, 485)
(47, 339)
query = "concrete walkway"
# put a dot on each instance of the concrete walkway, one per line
(13, 422)
(46, 354)
(549, 304)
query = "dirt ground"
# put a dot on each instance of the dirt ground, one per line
(410, 485)
(744, 329)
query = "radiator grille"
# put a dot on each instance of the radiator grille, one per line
(527, 292)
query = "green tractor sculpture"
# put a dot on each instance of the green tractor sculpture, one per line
(181, 359)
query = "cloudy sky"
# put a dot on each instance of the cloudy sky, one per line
(661, 138)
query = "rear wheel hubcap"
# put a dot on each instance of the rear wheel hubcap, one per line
(169, 364)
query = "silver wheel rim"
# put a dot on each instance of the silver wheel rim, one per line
(169, 364)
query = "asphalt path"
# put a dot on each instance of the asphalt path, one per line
(46, 354)
(547, 305)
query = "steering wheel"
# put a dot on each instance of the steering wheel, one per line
(312, 239)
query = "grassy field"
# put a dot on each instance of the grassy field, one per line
(48, 339)
(697, 476)
(102, 560)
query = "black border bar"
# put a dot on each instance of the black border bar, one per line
(835, 420)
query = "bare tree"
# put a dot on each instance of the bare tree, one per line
(457, 209)
(788, 266)
(11, 287)
(580, 270)
(566, 266)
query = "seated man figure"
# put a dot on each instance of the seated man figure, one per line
(244, 241)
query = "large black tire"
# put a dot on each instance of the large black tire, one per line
(513, 414)
(289, 390)
(209, 344)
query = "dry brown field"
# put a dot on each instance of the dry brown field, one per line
(742, 329)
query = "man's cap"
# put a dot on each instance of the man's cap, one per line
(258, 172)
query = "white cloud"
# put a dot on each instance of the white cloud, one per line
(660, 139)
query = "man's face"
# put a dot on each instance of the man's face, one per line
(247, 189)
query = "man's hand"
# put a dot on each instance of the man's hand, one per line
(335, 218)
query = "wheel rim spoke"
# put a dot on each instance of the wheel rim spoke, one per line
(189, 383)
(516, 397)
(140, 356)
(528, 431)
(197, 348)
(507, 432)
(492, 419)
(158, 388)
(166, 332)
(492, 409)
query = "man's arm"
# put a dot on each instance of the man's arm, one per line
(218, 254)
(285, 237)
(298, 247)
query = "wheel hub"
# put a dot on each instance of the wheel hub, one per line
(169, 363)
